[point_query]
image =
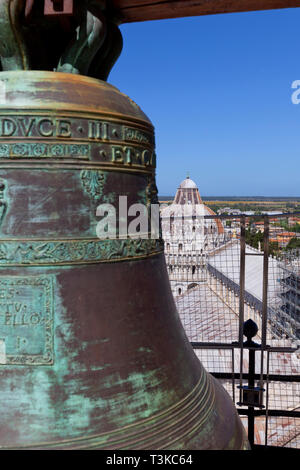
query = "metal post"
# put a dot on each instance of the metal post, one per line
(242, 280)
(267, 399)
(252, 396)
(264, 298)
(251, 416)
(233, 380)
(242, 294)
(265, 283)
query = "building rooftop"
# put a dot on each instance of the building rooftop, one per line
(227, 261)
(207, 318)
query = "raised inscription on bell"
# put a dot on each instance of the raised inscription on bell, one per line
(26, 320)
(135, 135)
(32, 137)
(44, 150)
(69, 128)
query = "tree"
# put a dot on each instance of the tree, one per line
(293, 243)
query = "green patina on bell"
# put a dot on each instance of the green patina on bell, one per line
(92, 351)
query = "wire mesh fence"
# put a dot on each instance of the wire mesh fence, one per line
(205, 276)
(281, 431)
(218, 285)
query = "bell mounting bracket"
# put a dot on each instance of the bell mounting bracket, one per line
(58, 7)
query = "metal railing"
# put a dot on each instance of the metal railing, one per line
(245, 275)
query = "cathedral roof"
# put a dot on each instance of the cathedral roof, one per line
(187, 193)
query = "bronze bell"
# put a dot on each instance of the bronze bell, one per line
(93, 354)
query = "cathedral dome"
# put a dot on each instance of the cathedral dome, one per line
(188, 203)
(188, 193)
(188, 184)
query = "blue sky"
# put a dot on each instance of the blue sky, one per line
(218, 91)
